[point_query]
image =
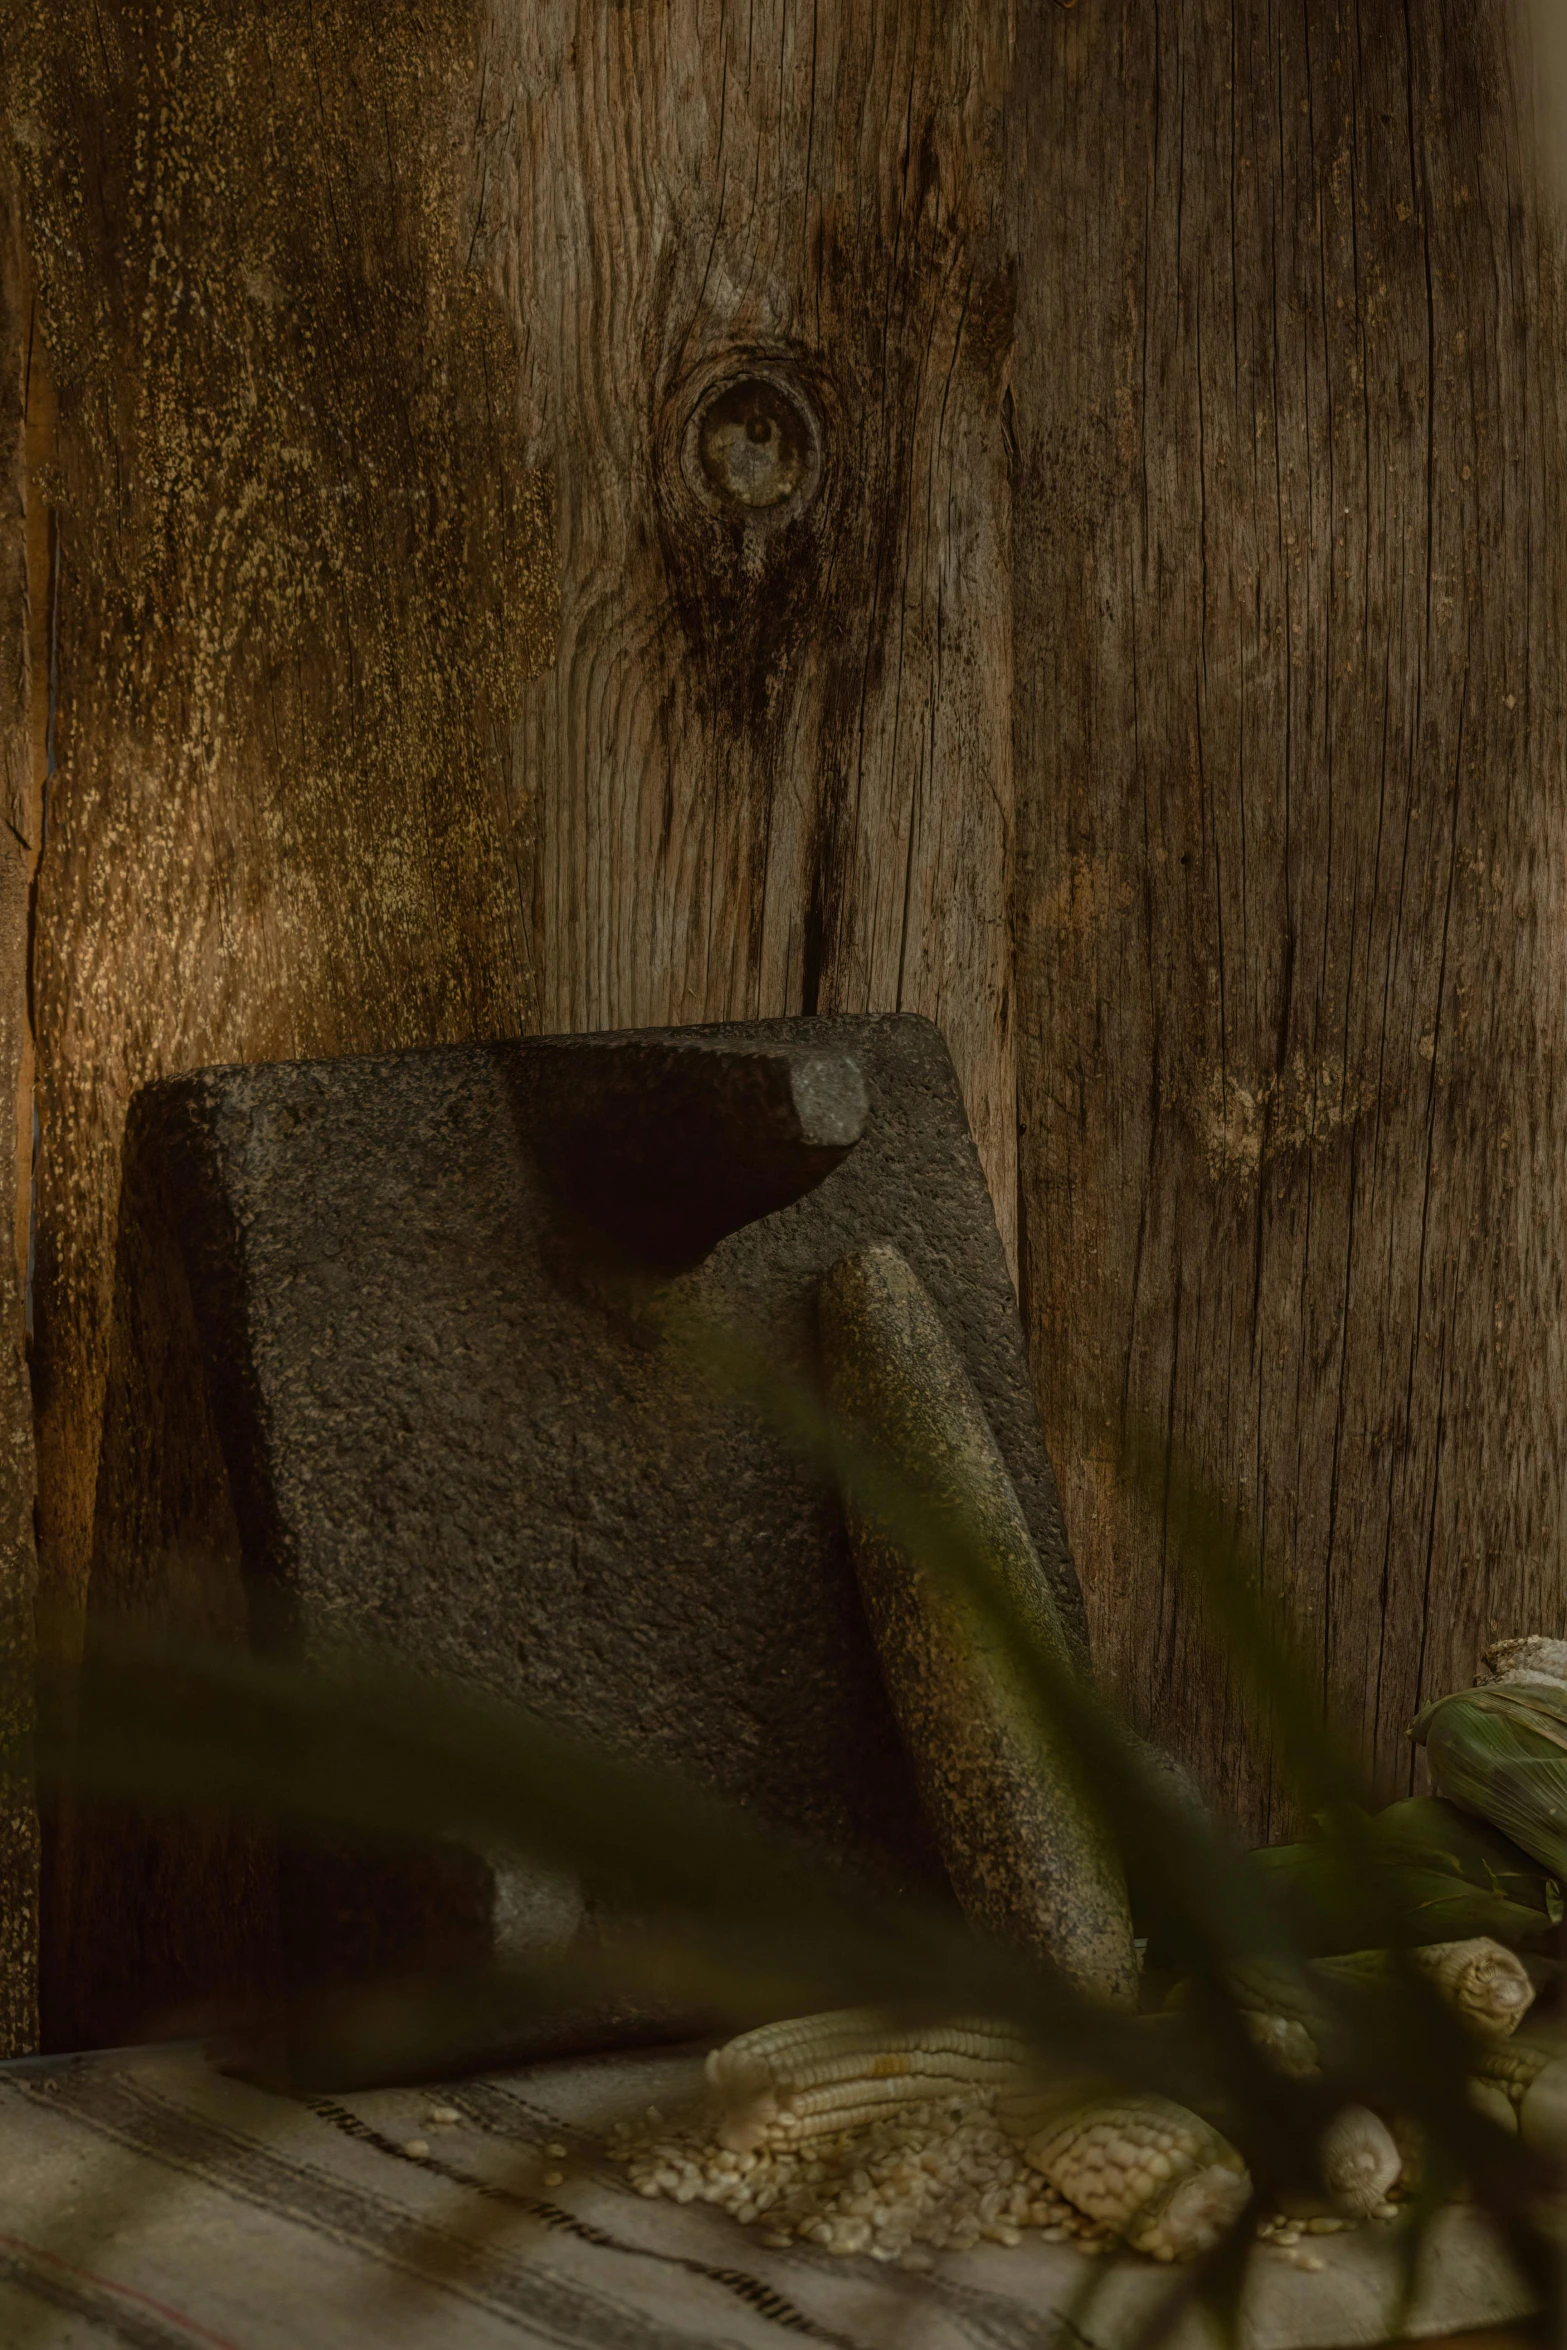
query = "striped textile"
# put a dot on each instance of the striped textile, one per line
(147, 2202)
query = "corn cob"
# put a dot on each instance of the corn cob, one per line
(1534, 2081)
(820, 2074)
(1284, 2040)
(1359, 2160)
(1512, 2065)
(1536, 1657)
(1026, 1853)
(1490, 2099)
(1486, 1985)
(1159, 2176)
(1284, 2013)
(1409, 2138)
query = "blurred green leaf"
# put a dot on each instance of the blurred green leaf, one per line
(1453, 1876)
(736, 1924)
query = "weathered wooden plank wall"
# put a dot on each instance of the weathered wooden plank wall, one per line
(300, 564)
(362, 324)
(303, 563)
(773, 756)
(1292, 973)
(360, 331)
(23, 722)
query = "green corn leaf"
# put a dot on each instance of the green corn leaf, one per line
(1452, 1874)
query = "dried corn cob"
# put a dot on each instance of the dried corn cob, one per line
(1409, 2138)
(1542, 2109)
(1485, 1984)
(1283, 2011)
(1512, 2065)
(1158, 2175)
(1534, 2080)
(1285, 2040)
(824, 2073)
(1359, 2160)
(1490, 2099)
(1536, 1657)
(1027, 1855)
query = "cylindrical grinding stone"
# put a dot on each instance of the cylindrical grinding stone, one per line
(1027, 1856)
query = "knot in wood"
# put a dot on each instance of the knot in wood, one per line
(753, 447)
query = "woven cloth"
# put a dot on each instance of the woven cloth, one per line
(151, 2203)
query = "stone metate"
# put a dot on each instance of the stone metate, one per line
(374, 1378)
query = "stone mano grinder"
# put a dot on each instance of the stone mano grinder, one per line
(367, 1381)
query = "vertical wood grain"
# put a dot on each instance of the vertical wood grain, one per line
(1292, 975)
(774, 774)
(361, 323)
(753, 781)
(20, 707)
(301, 566)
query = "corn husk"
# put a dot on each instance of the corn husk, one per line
(1501, 1753)
(1452, 1875)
